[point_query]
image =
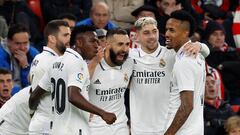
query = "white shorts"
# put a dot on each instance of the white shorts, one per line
(116, 129)
(40, 125)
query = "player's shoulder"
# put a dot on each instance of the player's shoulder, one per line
(133, 52)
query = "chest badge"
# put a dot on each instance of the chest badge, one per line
(125, 77)
(162, 63)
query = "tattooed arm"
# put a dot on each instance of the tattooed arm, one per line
(183, 112)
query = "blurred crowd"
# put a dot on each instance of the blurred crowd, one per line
(218, 26)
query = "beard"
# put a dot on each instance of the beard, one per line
(61, 47)
(113, 57)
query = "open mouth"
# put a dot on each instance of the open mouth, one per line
(5, 91)
(120, 56)
(167, 42)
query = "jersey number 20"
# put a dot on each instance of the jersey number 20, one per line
(59, 93)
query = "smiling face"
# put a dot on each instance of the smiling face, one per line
(118, 47)
(6, 85)
(148, 37)
(176, 34)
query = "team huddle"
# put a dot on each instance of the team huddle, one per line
(77, 87)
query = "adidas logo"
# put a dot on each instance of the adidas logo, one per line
(97, 82)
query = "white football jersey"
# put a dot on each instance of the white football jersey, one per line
(149, 90)
(107, 89)
(40, 122)
(68, 70)
(14, 114)
(188, 74)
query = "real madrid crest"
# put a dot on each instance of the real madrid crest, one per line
(162, 63)
(125, 77)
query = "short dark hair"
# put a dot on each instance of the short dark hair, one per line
(16, 28)
(5, 71)
(185, 16)
(68, 16)
(80, 30)
(112, 32)
(52, 28)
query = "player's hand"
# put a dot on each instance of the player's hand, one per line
(192, 49)
(21, 57)
(99, 55)
(110, 118)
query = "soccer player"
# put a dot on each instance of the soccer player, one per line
(57, 35)
(14, 114)
(109, 83)
(69, 78)
(187, 80)
(149, 87)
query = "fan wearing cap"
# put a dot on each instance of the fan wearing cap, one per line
(215, 39)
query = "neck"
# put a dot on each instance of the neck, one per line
(148, 51)
(181, 44)
(211, 101)
(53, 47)
(4, 98)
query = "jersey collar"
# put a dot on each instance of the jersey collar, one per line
(49, 50)
(103, 64)
(154, 54)
(71, 51)
(180, 52)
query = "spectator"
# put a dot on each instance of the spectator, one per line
(17, 11)
(6, 85)
(222, 93)
(99, 17)
(223, 57)
(232, 125)
(220, 50)
(120, 11)
(16, 54)
(101, 34)
(71, 19)
(166, 7)
(216, 111)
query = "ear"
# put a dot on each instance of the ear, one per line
(79, 43)
(51, 38)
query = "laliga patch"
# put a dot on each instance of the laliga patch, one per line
(79, 77)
